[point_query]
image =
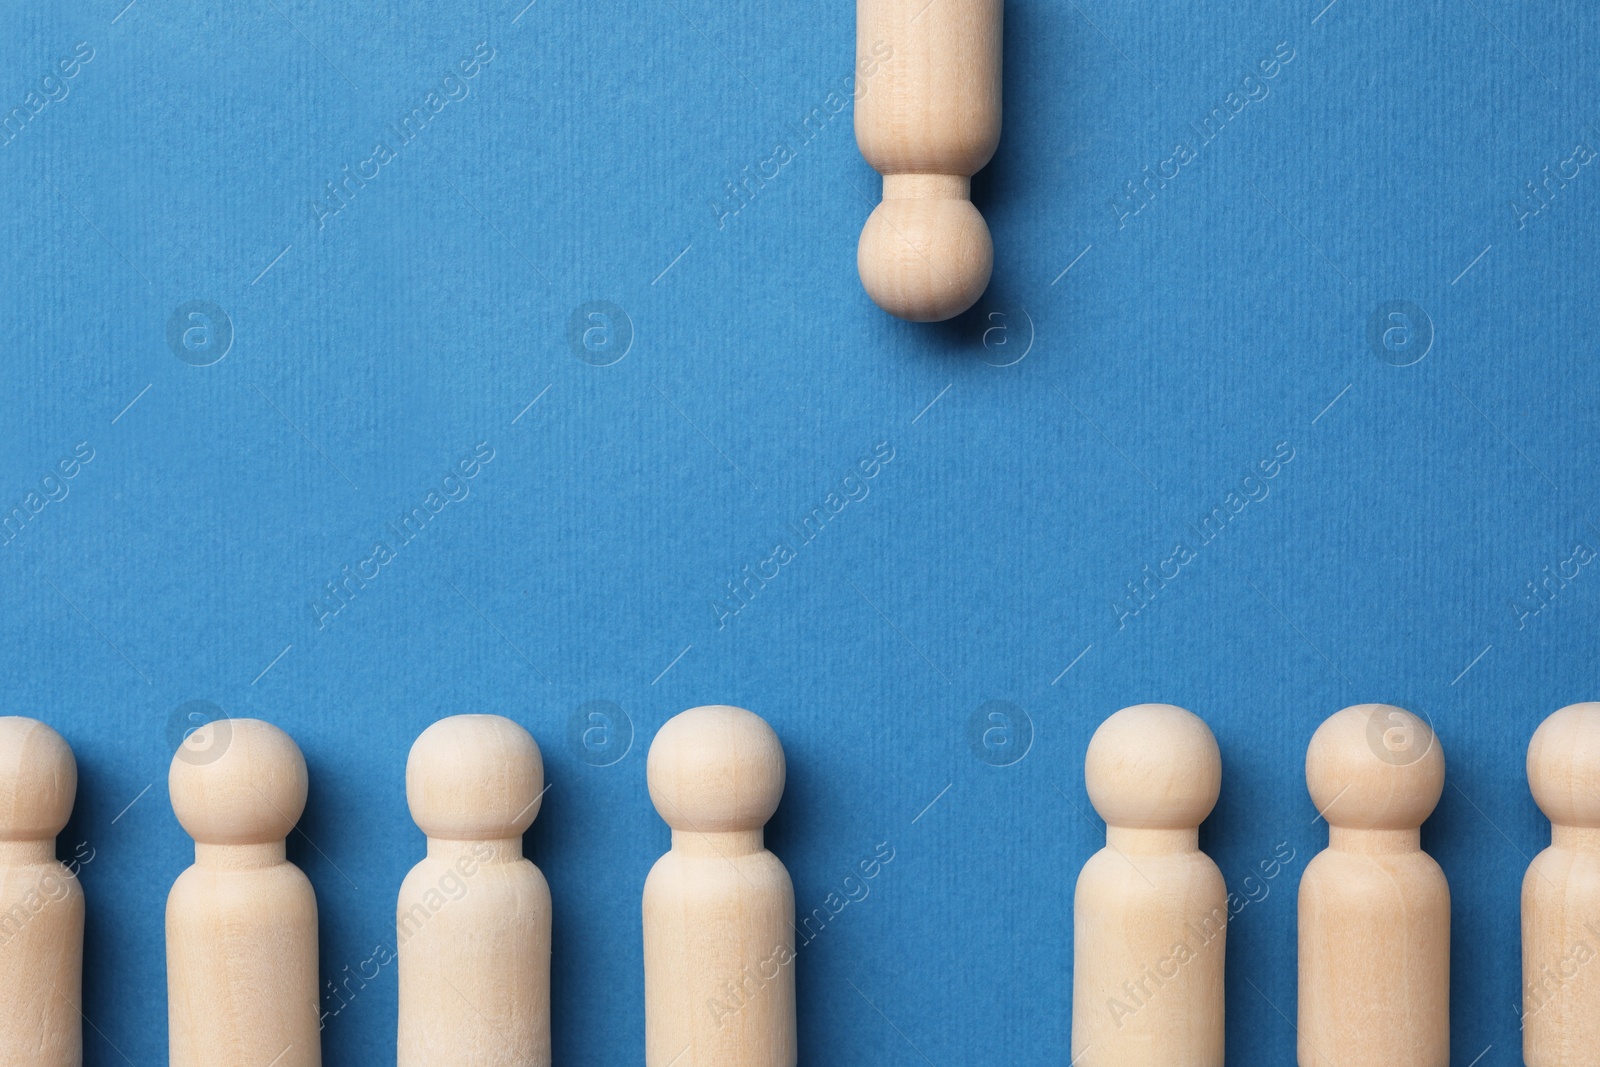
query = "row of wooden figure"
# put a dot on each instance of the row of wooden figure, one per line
(473, 919)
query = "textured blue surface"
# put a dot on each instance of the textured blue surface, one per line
(373, 347)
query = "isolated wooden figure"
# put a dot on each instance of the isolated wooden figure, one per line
(927, 119)
(41, 903)
(1374, 908)
(473, 921)
(242, 922)
(1150, 915)
(1561, 895)
(718, 908)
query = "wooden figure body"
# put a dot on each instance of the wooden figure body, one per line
(927, 119)
(41, 903)
(473, 920)
(718, 908)
(1150, 913)
(241, 922)
(1561, 896)
(1374, 908)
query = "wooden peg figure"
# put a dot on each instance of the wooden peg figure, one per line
(1374, 907)
(1150, 914)
(927, 119)
(1561, 895)
(718, 908)
(473, 921)
(41, 903)
(241, 922)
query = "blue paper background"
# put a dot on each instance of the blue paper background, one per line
(1183, 345)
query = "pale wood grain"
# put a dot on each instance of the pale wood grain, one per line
(473, 918)
(718, 908)
(242, 922)
(1150, 913)
(1561, 895)
(927, 118)
(1374, 908)
(41, 902)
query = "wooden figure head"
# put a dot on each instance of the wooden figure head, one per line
(1564, 766)
(716, 769)
(248, 787)
(38, 780)
(1375, 767)
(474, 778)
(1153, 767)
